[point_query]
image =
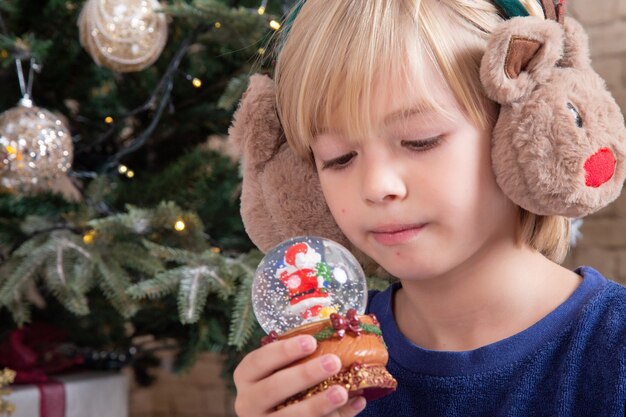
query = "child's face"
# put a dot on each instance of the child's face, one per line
(427, 174)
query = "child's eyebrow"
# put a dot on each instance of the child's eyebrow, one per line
(420, 109)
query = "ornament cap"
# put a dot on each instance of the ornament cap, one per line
(26, 101)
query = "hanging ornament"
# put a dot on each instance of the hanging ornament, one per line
(35, 146)
(123, 35)
(312, 285)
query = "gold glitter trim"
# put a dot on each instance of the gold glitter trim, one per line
(356, 378)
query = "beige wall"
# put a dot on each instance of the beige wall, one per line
(201, 393)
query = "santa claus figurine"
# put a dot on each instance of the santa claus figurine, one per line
(307, 279)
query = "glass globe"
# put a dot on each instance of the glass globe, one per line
(305, 279)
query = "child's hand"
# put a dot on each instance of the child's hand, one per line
(263, 382)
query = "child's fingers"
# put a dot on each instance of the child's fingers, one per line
(333, 402)
(264, 361)
(354, 407)
(319, 405)
(289, 382)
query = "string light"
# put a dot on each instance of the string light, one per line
(130, 173)
(197, 82)
(122, 169)
(218, 25)
(274, 25)
(4, 54)
(89, 237)
(216, 250)
(108, 120)
(179, 225)
(261, 51)
(262, 7)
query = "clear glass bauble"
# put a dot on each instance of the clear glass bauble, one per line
(306, 279)
(123, 35)
(35, 149)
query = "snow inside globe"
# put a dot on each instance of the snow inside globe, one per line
(304, 280)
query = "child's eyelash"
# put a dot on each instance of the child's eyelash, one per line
(339, 162)
(416, 145)
(422, 145)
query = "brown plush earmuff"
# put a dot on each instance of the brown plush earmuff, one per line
(281, 195)
(558, 145)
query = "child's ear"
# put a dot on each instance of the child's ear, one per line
(521, 53)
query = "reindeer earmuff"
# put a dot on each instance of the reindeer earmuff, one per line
(281, 195)
(559, 143)
(558, 147)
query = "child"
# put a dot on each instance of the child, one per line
(385, 98)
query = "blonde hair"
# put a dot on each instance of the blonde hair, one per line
(338, 54)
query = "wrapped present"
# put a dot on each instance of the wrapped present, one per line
(47, 383)
(93, 394)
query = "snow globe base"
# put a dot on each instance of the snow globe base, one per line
(358, 342)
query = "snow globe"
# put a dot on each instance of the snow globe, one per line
(312, 285)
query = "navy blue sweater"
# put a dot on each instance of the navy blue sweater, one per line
(570, 363)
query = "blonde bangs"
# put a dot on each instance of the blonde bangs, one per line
(320, 78)
(382, 45)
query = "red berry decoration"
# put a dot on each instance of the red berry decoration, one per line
(339, 323)
(355, 330)
(374, 319)
(352, 315)
(270, 338)
(354, 323)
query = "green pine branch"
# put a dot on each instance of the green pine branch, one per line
(200, 274)
(193, 290)
(233, 92)
(113, 282)
(25, 47)
(243, 321)
(47, 256)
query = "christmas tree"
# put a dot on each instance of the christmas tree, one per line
(119, 213)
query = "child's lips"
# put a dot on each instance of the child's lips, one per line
(396, 234)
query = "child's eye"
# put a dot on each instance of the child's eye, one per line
(340, 162)
(422, 145)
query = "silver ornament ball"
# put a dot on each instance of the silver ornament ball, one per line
(35, 149)
(123, 35)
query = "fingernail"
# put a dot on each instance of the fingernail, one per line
(358, 404)
(330, 363)
(336, 395)
(307, 344)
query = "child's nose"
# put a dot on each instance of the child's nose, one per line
(599, 168)
(383, 184)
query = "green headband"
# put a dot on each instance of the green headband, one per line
(511, 8)
(290, 19)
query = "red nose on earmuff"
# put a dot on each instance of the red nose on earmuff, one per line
(599, 168)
